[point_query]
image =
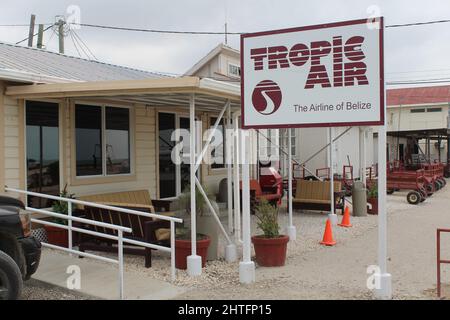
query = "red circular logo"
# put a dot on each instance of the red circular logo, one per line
(266, 97)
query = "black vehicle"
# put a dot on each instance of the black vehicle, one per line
(19, 251)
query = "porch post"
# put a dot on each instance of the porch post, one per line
(237, 202)
(362, 155)
(332, 216)
(246, 266)
(291, 230)
(194, 262)
(229, 158)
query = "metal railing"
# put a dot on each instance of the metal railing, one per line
(120, 230)
(438, 258)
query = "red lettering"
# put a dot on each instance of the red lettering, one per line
(278, 56)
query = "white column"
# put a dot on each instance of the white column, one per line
(362, 155)
(237, 178)
(291, 230)
(246, 266)
(194, 262)
(229, 158)
(384, 279)
(332, 216)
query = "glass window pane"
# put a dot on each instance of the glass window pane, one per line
(167, 168)
(117, 122)
(42, 148)
(88, 135)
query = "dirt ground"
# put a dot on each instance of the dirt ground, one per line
(313, 271)
(316, 272)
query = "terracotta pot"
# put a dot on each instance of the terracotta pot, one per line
(183, 250)
(374, 203)
(270, 252)
(57, 236)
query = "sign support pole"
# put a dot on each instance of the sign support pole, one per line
(246, 266)
(291, 230)
(332, 216)
(194, 261)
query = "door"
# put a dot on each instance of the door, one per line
(173, 178)
(42, 150)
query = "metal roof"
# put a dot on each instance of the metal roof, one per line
(22, 63)
(419, 95)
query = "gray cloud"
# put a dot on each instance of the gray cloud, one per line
(407, 49)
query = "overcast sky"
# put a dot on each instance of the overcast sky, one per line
(423, 49)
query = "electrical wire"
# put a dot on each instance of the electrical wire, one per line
(84, 43)
(34, 35)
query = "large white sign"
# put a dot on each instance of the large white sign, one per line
(315, 76)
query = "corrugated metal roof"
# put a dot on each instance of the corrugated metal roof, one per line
(46, 63)
(420, 95)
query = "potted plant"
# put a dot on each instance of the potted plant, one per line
(270, 247)
(59, 236)
(183, 243)
(372, 198)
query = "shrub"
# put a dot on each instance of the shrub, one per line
(267, 216)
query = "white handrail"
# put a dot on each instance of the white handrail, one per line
(120, 230)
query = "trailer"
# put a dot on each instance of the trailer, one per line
(408, 180)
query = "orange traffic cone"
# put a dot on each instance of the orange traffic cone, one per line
(346, 219)
(328, 235)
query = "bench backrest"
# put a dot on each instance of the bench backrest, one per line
(135, 222)
(318, 190)
(137, 197)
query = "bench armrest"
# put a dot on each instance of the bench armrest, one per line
(161, 205)
(151, 226)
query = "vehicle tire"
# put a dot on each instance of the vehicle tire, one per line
(11, 282)
(414, 197)
(390, 191)
(430, 189)
(437, 185)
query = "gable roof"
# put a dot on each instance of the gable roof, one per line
(25, 64)
(214, 52)
(418, 95)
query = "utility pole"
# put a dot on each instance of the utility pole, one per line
(31, 30)
(61, 23)
(40, 36)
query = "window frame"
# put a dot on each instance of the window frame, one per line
(224, 125)
(230, 64)
(104, 176)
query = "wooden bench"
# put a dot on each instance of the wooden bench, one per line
(315, 195)
(257, 193)
(143, 228)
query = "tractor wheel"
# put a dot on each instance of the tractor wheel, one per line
(430, 189)
(437, 185)
(413, 197)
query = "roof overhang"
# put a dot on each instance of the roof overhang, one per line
(209, 93)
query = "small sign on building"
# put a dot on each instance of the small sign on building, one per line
(316, 76)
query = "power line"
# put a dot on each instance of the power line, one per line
(83, 43)
(417, 23)
(23, 40)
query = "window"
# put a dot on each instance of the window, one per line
(434, 109)
(417, 110)
(234, 70)
(102, 143)
(42, 149)
(218, 151)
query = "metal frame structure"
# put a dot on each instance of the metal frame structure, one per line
(119, 229)
(439, 261)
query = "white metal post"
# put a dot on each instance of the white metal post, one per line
(120, 261)
(69, 224)
(246, 266)
(332, 216)
(291, 230)
(382, 279)
(229, 157)
(194, 262)
(172, 251)
(237, 202)
(362, 155)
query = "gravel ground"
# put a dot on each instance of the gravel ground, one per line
(316, 272)
(37, 290)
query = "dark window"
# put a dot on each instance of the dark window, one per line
(219, 151)
(185, 168)
(117, 140)
(167, 168)
(421, 110)
(434, 109)
(42, 148)
(88, 132)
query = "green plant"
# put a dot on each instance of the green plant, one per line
(372, 193)
(267, 216)
(62, 206)
(183, 201)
